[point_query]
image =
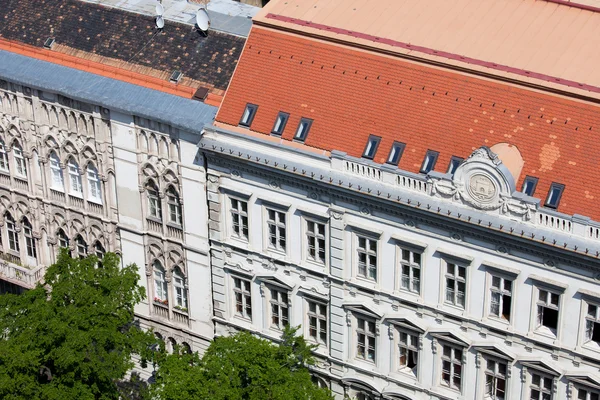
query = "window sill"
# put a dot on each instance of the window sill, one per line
(21, 177)
(545, 332)
(154, 219)
(175, 225)
(57, 189)
(95, 201)
(75, 194)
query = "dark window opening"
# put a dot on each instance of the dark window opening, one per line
(371, 147)
(303, 128)
(280, 122)
(549, 317)
(429, 161)
(596, 333)
(248, 115)
(396, 153)
(529, 185)
(554, 195)
(506, 302)
(454, 163)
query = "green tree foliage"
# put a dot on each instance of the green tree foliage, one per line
(71, 337)
(240, 367)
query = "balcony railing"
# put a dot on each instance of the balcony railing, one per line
(4, 179)
(95, 208)
(154, 226)
(17, 274)
(57, 195)
(554, 222)
(363, 170)
(160, 310)
(181, 317)
(76, 201)
(21, 184)
(175, 232)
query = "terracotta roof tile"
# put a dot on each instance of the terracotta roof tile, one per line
(351, 94)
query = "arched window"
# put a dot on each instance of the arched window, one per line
(20, 165)
(174, 206)
(99, 249)
(181, 301)
(94, 188)
(75, 178)
(3, 157)
(80, 247)
(62, 239)
(160, 284)
(154, 203)
(171, 345)
(186, 348)
(57, 182)
(29, 240)
(13, 238)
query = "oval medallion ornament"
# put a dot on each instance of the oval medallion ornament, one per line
(482, 188)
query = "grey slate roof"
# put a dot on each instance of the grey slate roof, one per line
(186, 114)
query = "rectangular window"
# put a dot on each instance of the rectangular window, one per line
(56, 173)
(495, 380)
(408, 351)
(456, 278)
(13, 239)
(529, 185)
(3, 157)
(501, 297)
(396, 153)
(20, 163)
(248, 115)
(540, 387)
(410, 269)
(554, 195)
(371, 147)
(154, 204)
(365, 337)
(29, 242)
(452, 366)
(547, 311)
(315, 236)
(592, 324)
(303, 128)
(243, 298)
(280, 310)
(586, 394)
(280, 123)
(276, 228)
(75, 176)
(367, 257)
(239, 218)
(317, 322)
(454, 163)
(429, 161)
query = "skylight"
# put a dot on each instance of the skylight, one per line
(280, 122)
(248, 115)
(454, 163)
(303, 128)
(429, 161)
(396, 153)
(554, 194)
(529, 185)
(371, 147)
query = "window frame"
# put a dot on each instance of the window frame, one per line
(368, 252)
(362, 327)
(539, 326)
(154, 201)
(174, 205)
(56, 173)
(540, 388)
(502, 292)
(285, 117)
(276, 241)
(279, 299)
(238, 213)
(496, 375)
(399, 345)
(252, 109)
(245, 295)
(453, 361)
(533, 181)
(75, 181)
(20, 161)
(30, 241)
(94, 184)
(589, 391)
(321, 321)
(457, 279)
(4, 161)
(180, 290)
(12, 234)
(451, 167)
(411, 265)
(308, 124)
(434, 157)
(159, 280)
(61, 237)
(371, 147)
(317, 237)
(554, 186)
(400, 146)
(81, 246)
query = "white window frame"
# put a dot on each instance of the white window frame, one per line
(94, 184)
(406, 260)
(321, 321)
(591, 316)
(20, 161)
(453, 361)
(493, 375)
(57, 178)
(279, 307)
(80, 246)
(500, 292)
(4, 165)
(180, 290)
(540, 386)
(12, 235)
(406, 342)
(239, 217)
(276, 228)
(585, 393)
(154, 201)
(75, 182)
(365, 337)
(62, 239)
(242, 296)
(320, 241)
(161, 287)
(370, 268)
(30, 242)
(540, 305)
(175, 209)
(452, 294)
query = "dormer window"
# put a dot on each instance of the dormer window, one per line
(454, 163)
(529, 185)
(303, 128)
(396, 153)
(371, 147)
(429, 161)
(248, 115)
(554, 195)
(280, 122)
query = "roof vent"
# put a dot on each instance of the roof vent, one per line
(49, 43)
(201, 94)
(176, 76)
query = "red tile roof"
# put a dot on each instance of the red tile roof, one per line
(351, 94)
